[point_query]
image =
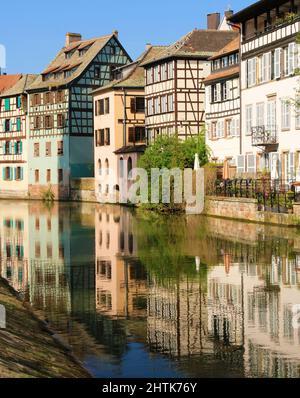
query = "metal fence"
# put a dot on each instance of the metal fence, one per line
(272, 195)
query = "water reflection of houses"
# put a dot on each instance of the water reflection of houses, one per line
(177, 316)
(14, 244)
(121, 281)
(251, 305)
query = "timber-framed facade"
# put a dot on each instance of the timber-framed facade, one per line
(175, 91)
(61, 112)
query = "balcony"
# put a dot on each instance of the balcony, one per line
(265, 136)
(11, 158)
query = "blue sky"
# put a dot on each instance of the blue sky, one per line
(33, 32)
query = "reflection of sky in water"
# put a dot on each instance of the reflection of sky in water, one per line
(136, 362)
(158, 296)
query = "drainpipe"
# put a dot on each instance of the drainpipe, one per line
(124, 121)
(240, 79)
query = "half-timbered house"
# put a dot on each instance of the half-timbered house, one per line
(14, 128)
(222, 105)
(175, 91)
(270, 59)
(61, 112)
(120, 134)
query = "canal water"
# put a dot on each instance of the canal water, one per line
(142, 295)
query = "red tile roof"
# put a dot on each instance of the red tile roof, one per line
(232, 47)
(8, 81)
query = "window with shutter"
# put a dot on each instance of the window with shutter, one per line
(277, 63)
(131, 135)
(249, 120)
(241, 164)
(291, 58)
(7, 104)
(18, 124)
(132, 105)
(251, 163)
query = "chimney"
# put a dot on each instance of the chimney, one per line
(228, 14)
(72, 38)
(213, 20)
(116, 33)
(148, 46)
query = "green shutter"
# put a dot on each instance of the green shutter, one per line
(3, 148)
(19, 101)
(21, 147)
(10, 147)
(15, 173)
(21, 174)
(3, 173)
(10, 125)
(16, 148)
(11, 173)
(18, 124)
(7, 104)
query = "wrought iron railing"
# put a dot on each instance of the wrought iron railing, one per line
(276, 196)
(264, 135)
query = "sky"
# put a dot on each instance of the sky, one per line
(33, 32)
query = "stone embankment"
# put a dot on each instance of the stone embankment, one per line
(28, 348)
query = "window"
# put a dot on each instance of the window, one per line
(100, 167)
(107, 136)
(170, 70)
(36, 150)
(60, 175)
(107, 167)
(164, 104)
(266, 70)
(137, 135)
(285, 115)
(164, 71)
(249, 120)
(7, 174)
(228, 128)
(214, 93)
(171, 102)
(19, 127)
(277, 63)
(224, 62)
(18, 148)
(106, 105)
(156, 73)
(37, 122)
(137, 105)
(251, 72)
(149, 76)
(48, 121)
(7, 125)
(156, 105)
(48, 176)
(150, 107)
(19, 102)
(100, 138)
(7, 148)
(60, 148)
(130, 166)
(101, 107)
(48, 98)
(37, 176)
(224, 90)
(19, 173)
(37, 250)
(60, 120)
(60, 96)
(290, 59)
(7, 104)
(36, 99)
(260, 114)
(48, 148)
(271, 115)
(97, 72)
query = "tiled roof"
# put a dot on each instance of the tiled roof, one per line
(60, 62)
(20, 86)
(133, 74)
(7, 81)
(199, 43)
(131, 149)
(230, 48)
(223, 74)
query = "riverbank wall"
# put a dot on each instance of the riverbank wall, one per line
(28, 348)
(247, 210)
